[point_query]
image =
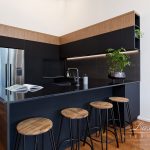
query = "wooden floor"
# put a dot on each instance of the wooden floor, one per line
(140, 141)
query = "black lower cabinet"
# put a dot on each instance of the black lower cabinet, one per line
(131, 91)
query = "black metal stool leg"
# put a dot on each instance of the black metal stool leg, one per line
(76, 145)
(96, 120)
(71, 134)
(16, 141)
(90, 116)
(78, 130)
(60, 128)
(129, 116)
(36, 143)
(88, 130)
(17, 144)
(52, 141)
(42, 141)
(90, 113)
(23, 142)
(104, 127)
(114, 125)
(119, 118)
(100, 126)
(107, 129)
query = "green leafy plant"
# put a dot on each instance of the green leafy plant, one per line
(117, 60)
(138, 33)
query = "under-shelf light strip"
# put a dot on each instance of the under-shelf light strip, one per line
(99, 55)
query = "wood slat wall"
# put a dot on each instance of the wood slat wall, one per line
(14, 32)
(116, 23)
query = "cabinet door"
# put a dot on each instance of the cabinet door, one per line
(100, 43)
(35, 54)
(132, 91)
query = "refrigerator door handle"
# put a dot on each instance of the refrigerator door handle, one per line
(10, 74)
(6, 74)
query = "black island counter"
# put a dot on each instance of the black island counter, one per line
(48, 102)
(58, 89)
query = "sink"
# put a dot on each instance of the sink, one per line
(63, 81)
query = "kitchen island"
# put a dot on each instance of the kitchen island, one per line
(15, 107)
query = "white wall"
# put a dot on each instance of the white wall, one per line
(38, 15)
(82, 13)
(58, 17)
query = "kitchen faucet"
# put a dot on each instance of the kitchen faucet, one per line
(76, 78)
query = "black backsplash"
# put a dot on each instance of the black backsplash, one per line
(98, 68)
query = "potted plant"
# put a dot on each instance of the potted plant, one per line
(117, 61)
(138, 33)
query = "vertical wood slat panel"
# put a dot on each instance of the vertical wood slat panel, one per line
(14, 32)
(116, 23)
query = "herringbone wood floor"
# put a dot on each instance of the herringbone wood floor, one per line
(140, 141)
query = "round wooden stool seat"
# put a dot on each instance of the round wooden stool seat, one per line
(34, 126)
(119, 99)
(101, 105)
(74, 113)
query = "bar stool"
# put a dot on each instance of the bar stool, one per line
(125, 102)
(73, 114)
(98, 106)
(34, 127)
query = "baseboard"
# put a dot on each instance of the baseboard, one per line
(144, 119)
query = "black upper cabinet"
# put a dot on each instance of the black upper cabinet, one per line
(35, 56)
(137, 20)
(11, 42)
(99, 44)
(137, 26)
(124, 38)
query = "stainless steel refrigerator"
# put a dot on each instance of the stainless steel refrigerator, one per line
(11, 67)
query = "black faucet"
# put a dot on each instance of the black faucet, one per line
(76, 78)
